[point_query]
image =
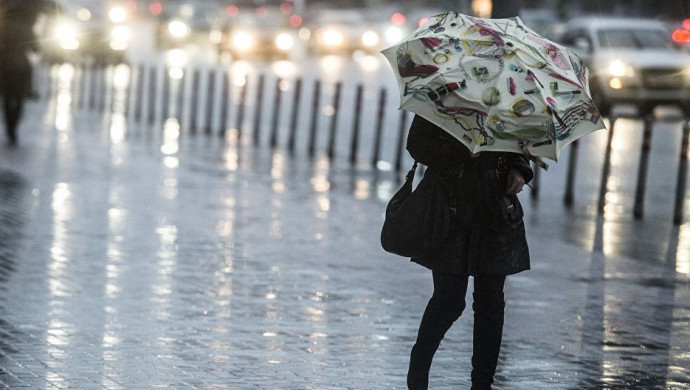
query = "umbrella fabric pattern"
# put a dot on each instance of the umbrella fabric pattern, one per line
(495, 85)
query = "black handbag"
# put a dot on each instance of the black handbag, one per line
(417, 221)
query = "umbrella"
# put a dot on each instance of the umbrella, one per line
(495, 85)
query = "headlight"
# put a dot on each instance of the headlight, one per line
(333, 37)
(618, 68)
(370, 39)
(67, 35)
(284, 41)
(178, 29)
(117, 15)
(243, 41)
(394, 34)
(119, 38)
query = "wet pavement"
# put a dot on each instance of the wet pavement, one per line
(157, 259)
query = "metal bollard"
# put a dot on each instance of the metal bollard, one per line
(314, 118)
(379, 128)
(401, 140)
(165, 100)
(354, 142)
(606, 169)
(570, 179)
(638, 209)
(295, 113)
(682, 175)
(257, 112)
(276, 115)
(84, 86)
(93, 89)
(181, 93)
(224, 104)
(334, 121)
(139, 97)
(210, 100)
(240, 108)
(194, 104)
(152, 98)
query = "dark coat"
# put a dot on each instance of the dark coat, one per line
(488, 235)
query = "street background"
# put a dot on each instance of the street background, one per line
(149, 238)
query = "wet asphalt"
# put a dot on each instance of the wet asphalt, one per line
(149, 259)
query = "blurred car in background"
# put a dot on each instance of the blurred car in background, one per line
(187, 23)
(631, 61)
(91, 33)
(262, 33)
(342, 32)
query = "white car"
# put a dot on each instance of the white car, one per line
(631, 61)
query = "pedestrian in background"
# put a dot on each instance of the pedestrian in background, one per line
(17, 39)
(487, 242)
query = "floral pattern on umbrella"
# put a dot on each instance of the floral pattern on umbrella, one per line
(495, 85)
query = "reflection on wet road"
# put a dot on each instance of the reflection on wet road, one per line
(135, 257)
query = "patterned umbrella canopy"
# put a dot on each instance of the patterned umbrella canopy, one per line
(495, 85)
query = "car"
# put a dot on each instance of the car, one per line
(85, 34)
(258, 35)
(631, 61)
(186, 24)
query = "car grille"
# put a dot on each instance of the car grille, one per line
(664, 78)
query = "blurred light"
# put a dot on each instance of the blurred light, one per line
(617, 68)
(680, 35)
(398, 19)
(178, 29)
(177, 58)
(370, 38)
(284, 70)
(333, 37)
(422, 21)
(284, 41)
(304, 34)
(243, 41)
(187, 11)
(66, 35)
(156, 8)
(176, 73)
(232, 11)
(119, 38)
(482, 8)
(215, 36)
(117, 15)
(394, 35)
(131, 6)
(295, 21)
(616, 83)
(261, 12)
(286, 8)
(84, 14)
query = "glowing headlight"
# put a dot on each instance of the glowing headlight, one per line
(284, 41)
(119, 38)
(333, 37)
(178, 29)
(370, 38)
(117, 15)
(66, 35)
(243, 41)
(618, 68)
(394, 34)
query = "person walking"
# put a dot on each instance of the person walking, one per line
(487, 242)
(17, 38)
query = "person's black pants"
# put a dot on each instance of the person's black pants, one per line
(445, 306)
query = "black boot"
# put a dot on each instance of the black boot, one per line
(420, 364)
(488, 333)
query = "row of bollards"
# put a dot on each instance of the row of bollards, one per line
(643, 167)
(151, 93)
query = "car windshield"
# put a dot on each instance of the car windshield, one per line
(635, 39)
